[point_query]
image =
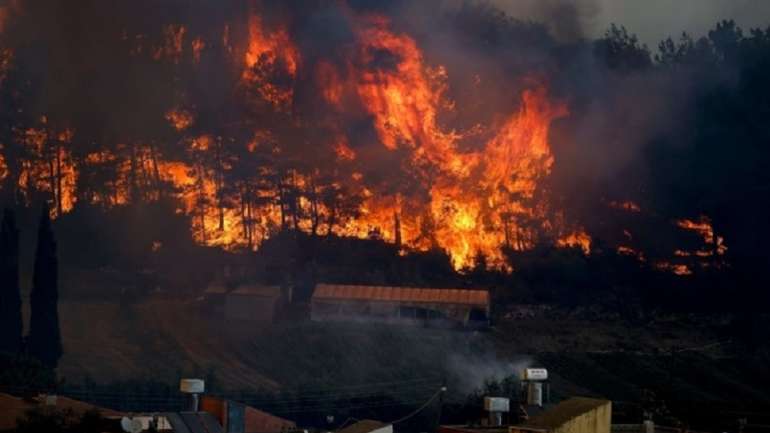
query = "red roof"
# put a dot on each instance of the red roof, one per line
(12, 408)
(401, 294)
(255, 420)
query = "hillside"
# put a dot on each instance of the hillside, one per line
(161, 339)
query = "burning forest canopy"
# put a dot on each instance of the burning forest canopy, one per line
(428, 125)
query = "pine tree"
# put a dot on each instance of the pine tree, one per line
(44, 341)
(10, 298)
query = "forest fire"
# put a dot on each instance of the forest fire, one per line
(362, 141)
(703, 227)
(310, 196)
(473, 198)
(269, 53)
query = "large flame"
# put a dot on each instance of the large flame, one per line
(269, 53)
(471, 200)
(470, 195)
(471, 191)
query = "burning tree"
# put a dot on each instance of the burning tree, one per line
(252, 123)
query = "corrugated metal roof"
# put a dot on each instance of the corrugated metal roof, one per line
(402, 294)
(245, 289)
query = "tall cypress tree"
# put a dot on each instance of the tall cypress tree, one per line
(44, 341)
(10, 298)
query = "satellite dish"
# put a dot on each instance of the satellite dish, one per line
(131, 425)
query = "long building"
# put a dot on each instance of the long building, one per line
(412, 305)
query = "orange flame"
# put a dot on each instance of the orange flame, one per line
(703, 227)
(267, 51)
(180, 119)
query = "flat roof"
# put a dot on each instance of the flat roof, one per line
(563, 412)
(401, 294)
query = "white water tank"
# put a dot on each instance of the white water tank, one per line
(535, 374)
(192, 386)
(535, 394)
(497, 404)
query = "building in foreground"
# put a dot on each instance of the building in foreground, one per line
(574, 415)
(246, 302)
(420, 306)
(367, 426)
(238, 417)
(14, 408)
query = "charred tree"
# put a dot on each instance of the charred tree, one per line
(44, 340)
(10, 297)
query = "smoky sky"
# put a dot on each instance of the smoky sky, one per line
(651, 20)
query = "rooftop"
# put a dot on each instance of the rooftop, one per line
(257, 290)
(12, 408)
(363, 426)
(564, 412)
(193, 422)
(402, 294)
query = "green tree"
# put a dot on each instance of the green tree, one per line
(621, 51)
(10, 298)
(44, 336)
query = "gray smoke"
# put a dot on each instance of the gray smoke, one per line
(471, 371)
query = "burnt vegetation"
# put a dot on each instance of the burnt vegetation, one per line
(194, 137)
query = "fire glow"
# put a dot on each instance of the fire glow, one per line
(468, 205)
(464, 199)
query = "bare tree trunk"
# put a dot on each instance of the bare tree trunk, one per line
(202, 201)
(145, 176)
(59, 206)
(132, 177)
(506, 239)
(221, 216)
(155, 170)
(332, 221)
(294, 202)
(51, 159)
(220, 184)
(250, 224)
(314, 210)
(282, 203)
(397, 228)
(243, 213)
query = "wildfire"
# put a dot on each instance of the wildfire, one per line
(468, 200)
(3, 165)
(471, 192)
(269, 54)
(579, 239)
(172, 47)
(628, 251)
(675, 268)
(179, 119)
(51, 169)
(6, 56)
(471, 195)
(330, 83)
(703, 227)
(626, 205)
